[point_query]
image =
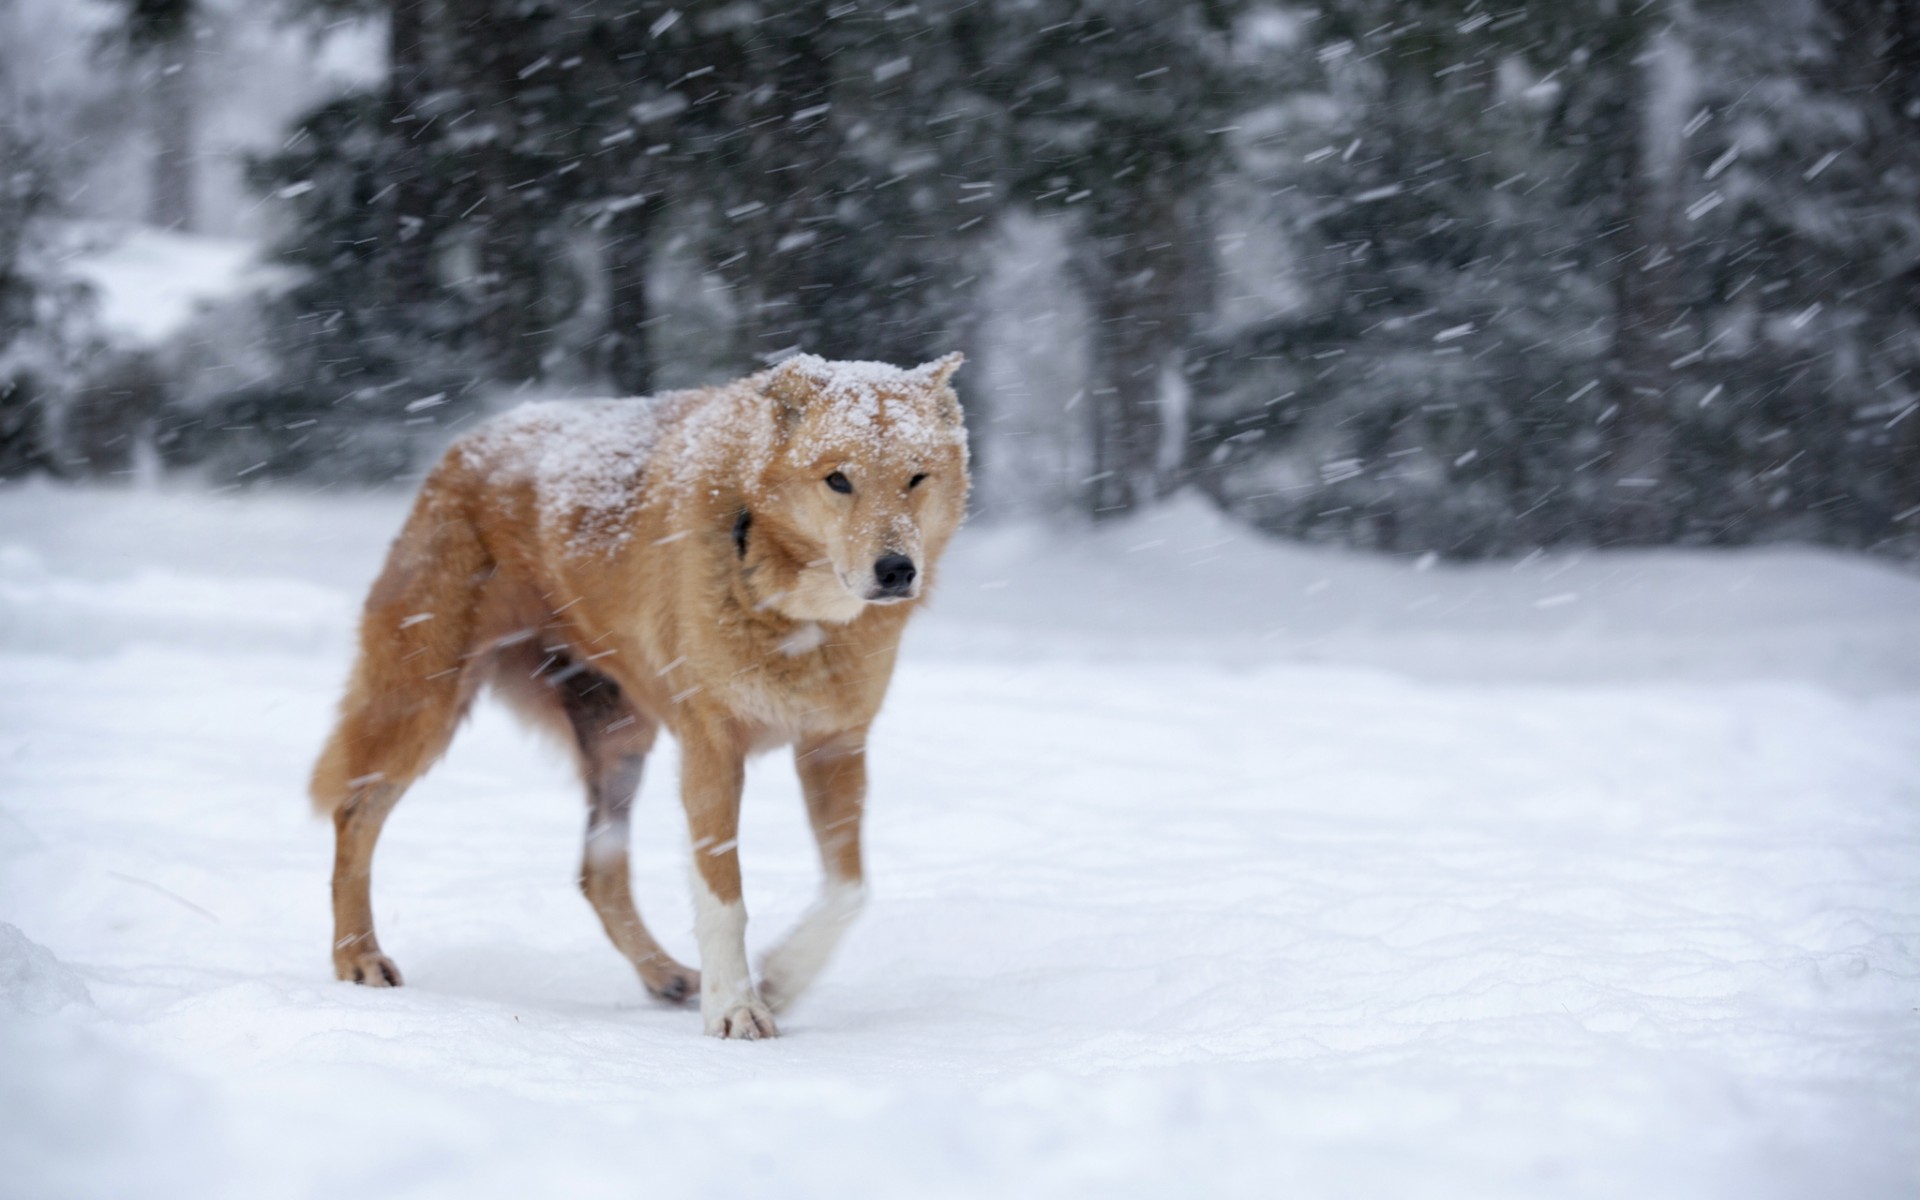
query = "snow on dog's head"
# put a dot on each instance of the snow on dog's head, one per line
(868, 481)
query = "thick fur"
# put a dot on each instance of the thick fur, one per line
(705, 575)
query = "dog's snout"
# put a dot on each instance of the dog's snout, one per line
(893, 574)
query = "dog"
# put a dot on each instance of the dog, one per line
(734, 564)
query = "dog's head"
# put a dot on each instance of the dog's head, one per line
(867, 484)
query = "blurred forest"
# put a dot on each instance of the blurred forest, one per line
(1462, 277)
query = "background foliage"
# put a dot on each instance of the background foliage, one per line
(1452, 276)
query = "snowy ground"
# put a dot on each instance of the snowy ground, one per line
(1201, 865)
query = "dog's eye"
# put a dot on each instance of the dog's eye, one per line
(917, 480)
(839, 483)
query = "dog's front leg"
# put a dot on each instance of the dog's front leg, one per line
(833, 775)
(711, 775)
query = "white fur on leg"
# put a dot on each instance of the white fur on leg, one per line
(607, 842)
(728, 1004)
(790, 967)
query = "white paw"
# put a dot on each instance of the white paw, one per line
(748, 1019)
(791, 967)
(778, 987)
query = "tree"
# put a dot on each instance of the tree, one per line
(25, 193)
(1614, 272)
(160, 35)
(45, 331)
(1116, 113)
(1809, 244)
(842, 169)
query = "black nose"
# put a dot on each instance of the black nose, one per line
(894, 574)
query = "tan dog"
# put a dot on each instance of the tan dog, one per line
(733, 563)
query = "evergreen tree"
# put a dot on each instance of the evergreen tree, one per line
(1435, 388)
(1565, 200)
(46, 335)
(160, 35)
(1116, 112)
(25, 193)
(1614, 272)
(842, 171)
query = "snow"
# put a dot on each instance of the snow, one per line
(855, 402)
(582, 458)
(1200, 865)
(151, 282)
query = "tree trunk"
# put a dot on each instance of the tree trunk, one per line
(629, 254)
(1649, 306)
(1878, 67)
(513, 277)
(23, 427)
(1150, 275)
(408, 254)
(512, 269)
(1124, 407)
(801, 283)
(170, 194)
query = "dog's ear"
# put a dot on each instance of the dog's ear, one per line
(936, 374)
(940, 370)
(794, 384)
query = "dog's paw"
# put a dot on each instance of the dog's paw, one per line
(780, 985)
(776, 991)
(674, 984)
(747, 1020)
(369, 967)
(791, 967)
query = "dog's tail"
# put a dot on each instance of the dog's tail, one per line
(415, 673)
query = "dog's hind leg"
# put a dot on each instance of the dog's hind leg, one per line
(414, 677)
(614, 740)
(833, 776)
(356, 829)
